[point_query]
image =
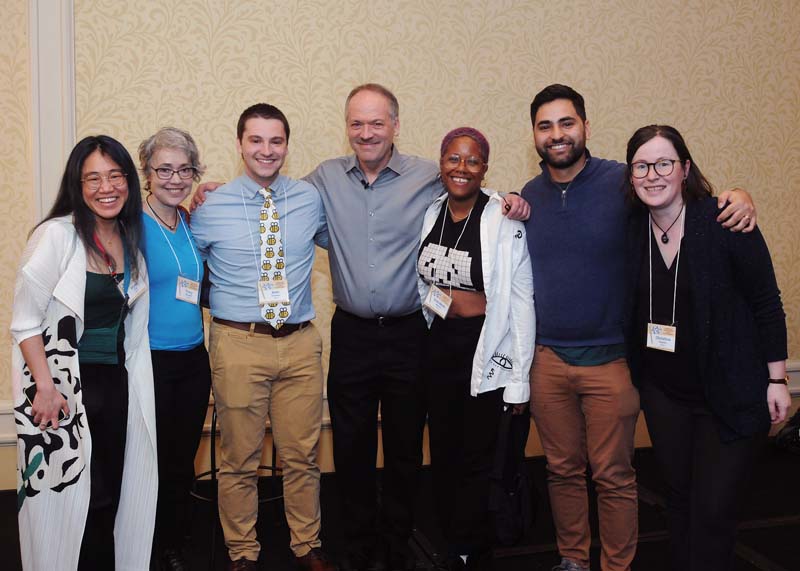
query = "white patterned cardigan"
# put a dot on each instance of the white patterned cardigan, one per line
(53, 466)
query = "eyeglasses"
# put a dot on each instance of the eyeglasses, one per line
(472, 162)
(116, 179)
(165, 173)
(663, 167)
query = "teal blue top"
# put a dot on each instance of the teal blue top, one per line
(174, 325)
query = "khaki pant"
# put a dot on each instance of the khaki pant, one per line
(255, 377)
(588, 415)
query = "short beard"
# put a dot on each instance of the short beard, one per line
(578, 150)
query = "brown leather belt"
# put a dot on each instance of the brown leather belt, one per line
(263, 328)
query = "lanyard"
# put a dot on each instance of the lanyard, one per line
(110, 265)
(677, 262)
(284, 229)
(188, 239)
(441, 234)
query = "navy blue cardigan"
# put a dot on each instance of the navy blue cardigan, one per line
(737, 315)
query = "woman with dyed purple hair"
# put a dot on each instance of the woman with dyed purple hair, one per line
(476, 287)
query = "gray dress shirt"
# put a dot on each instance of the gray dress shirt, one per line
(374, 231)
(225, 229)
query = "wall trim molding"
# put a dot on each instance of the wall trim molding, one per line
(52, 61)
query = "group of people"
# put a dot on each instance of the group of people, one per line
(433, 278)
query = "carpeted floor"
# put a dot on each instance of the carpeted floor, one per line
(768, 534)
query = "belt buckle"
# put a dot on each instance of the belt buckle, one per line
(381, 321)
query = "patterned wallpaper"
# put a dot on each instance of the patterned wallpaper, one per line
(17, 202)
(727, 74)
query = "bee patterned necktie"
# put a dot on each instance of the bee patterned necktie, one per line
(273, 266)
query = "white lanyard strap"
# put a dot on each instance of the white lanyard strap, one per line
(188, 239)
(284, 227)
(441, 234)
(677, 262)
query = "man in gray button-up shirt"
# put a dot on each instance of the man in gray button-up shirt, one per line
(375, 202)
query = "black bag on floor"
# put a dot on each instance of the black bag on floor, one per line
(512, 499)
(788, 437)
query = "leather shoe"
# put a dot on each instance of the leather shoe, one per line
(173, 560)
(315, 560)
(242, 565)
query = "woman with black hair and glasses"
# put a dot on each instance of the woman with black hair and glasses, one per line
(706, 337)
(170, 163)
(82, 379)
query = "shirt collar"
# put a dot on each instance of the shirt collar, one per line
(395, 162)
(251, 187)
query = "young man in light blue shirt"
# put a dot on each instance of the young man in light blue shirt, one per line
(265, 369)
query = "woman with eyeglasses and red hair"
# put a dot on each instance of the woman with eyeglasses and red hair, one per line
(476, 287)
(81, 374)
(706, 337)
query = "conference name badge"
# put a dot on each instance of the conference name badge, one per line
(661, 337)
(135, 290)
(438, 301)
(187, 290)
(273, 291)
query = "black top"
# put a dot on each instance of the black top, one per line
(675, 373)
(738, 323)
(441, 264)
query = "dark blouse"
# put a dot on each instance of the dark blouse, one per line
(103, 317)
(675, 373)
(441, 264)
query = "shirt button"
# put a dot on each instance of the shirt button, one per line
(371, 239)
(371, 213)
(372, 265)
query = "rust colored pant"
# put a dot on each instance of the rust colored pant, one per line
(587, 415)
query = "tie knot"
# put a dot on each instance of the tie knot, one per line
(266, 193)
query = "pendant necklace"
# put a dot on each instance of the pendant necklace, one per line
(172, 227)
(664, 237)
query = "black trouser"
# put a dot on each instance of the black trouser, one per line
(105, 398)
(182, 383)
(463, 435)
(705, 479)
(370, 364)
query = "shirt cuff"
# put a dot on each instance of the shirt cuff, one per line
(517, 393)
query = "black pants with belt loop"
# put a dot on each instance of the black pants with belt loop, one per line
(374, 363)
(463, 436)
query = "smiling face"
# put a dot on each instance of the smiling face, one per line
(263, 147)
(173, 191)
(107, 200)
(462, 168)
(560, 135)
(659, 192)
(371, 129)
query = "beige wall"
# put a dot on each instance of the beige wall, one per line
(727, 74)
(17, 202)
